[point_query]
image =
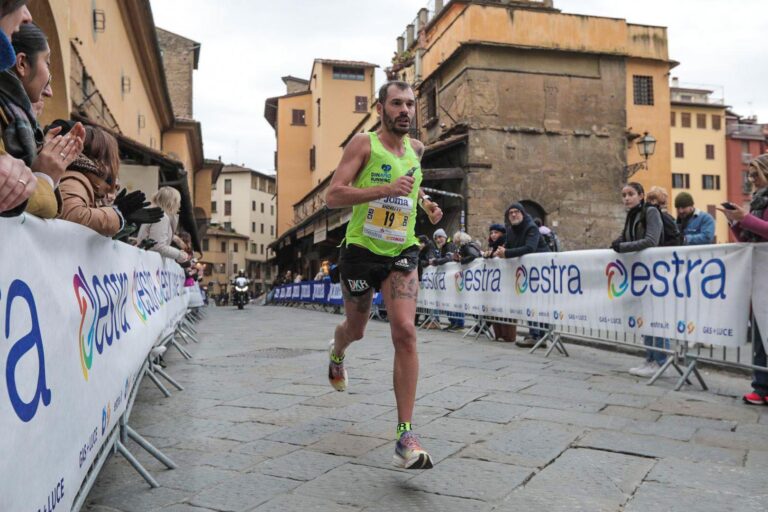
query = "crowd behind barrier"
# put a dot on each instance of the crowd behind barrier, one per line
(80, 315)
(698, 296)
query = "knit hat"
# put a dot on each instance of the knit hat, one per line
(439, 232)
(683, 200)
(497, 227)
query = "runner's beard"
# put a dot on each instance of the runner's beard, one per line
(392, 126)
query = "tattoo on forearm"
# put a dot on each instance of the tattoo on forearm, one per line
(404, 286)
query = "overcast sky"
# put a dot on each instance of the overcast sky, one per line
(247, 46)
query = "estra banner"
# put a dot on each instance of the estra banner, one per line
(759, 289)
(697, 293)
(79, 314)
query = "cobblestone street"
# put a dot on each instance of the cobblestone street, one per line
(259, 428)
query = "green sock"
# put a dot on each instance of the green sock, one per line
(402, 428)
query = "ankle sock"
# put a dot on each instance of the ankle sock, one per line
(402, 428)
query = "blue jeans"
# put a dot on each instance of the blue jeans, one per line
(652, 355)
(456, 319)
(759, 379)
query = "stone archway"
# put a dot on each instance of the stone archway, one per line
(535, 210)
(50, 18)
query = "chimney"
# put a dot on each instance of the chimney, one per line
(400, 45)
(438, 6)
(409, 33)
(675, 82)
(423, 18)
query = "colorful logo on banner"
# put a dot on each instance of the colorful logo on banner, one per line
(618, 279)
(459, 281)
(558, 315)
(85, 340)
(683, 327)
(521, 280)
(635, 322)
(106, 414)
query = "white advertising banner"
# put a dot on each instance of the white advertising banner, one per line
(78, 315)
(759, 288)
(698, 293)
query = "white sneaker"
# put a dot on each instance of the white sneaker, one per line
(642, 367)
(649, 371)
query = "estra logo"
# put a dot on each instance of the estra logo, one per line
(481, 279)
(548, 279)
(635, 322)
(681, 277)
(685, 328)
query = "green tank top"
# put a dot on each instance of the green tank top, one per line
(386, 226)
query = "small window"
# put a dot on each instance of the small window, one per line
(262, 229)
(299, 117)
(312, 158)
(710, 151)
(262, 248)
(685, 119)
(271, 186)
(681, 180)
(716, 122)
(227, 186)
(213, 206)
(205, 244)
(272, 230)
(432, 103)
(254, 182)
(643, 89)
(701, 120)
(227, 207)
(253, 206)
(673, 119)
(253, 248)
(272, 209)
(223, 246)
(253, 227)
(361, 104)
(679, 150)
(228, 226)
(710, 182)
(262, 207)
(348, 73)
(213, 185)
(234, 268)
(318, 111)
(235, 247)
(262, 184)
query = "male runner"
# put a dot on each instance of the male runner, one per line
(379, 176)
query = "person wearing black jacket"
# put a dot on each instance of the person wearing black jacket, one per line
(523, 237)
(497, 236)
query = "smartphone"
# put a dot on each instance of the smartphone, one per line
(728, 206)
(411, 172)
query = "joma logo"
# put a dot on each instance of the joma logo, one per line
(357, 285)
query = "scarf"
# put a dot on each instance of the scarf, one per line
(22, 135)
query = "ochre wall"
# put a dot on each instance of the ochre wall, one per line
(293, 143)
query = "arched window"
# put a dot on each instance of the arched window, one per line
(535, 210)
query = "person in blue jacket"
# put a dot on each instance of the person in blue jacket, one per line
(697, 227)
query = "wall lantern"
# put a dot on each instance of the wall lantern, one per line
(646, 145)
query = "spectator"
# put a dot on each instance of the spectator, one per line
(468, 250)
(697, 227)
(497, 237)
(442, 251)
(642, 229)
(168, 200)
(425, 246)
(752, 226)
(25, 84)
(670, 234)
(288, 279)
(17, 183)
(90, 178)
(550, 237)
(523, 237)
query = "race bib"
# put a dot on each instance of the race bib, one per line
(387, 219)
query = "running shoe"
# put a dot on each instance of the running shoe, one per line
(409, 454)
(337, 374)
(754, 399)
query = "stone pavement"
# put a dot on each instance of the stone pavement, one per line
(258, 427)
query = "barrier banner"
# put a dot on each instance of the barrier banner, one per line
(79, 314)
(759, 288)
(698, 293)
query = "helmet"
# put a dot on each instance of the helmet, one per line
(241, 272)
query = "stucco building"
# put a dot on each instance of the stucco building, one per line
(745, 140)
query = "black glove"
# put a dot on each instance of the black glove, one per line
(616, 245)
(129, 203)
(144, 215)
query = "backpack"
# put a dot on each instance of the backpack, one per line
(670, 235)
(553, 243)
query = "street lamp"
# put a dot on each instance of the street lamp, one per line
(646, 145)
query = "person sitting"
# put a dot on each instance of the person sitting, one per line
(90, 178)
(168, 201)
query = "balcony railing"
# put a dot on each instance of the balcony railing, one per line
(745, 130)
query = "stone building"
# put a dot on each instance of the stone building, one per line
(519, 101)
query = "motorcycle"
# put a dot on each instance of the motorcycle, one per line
(241, 296)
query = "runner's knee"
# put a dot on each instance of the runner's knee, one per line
(404, 334)
(354, 332)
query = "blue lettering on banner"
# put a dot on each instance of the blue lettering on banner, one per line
(33, 340)
(54, 498)
(677, 276)
(549, 279)
(433, 280)
(480, 279)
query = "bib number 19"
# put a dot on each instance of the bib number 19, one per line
(389, 219)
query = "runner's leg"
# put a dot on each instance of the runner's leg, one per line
(400, 290)
(356, 309)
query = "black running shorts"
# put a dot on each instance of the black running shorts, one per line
(362, 270)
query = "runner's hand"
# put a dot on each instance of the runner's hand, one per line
(434, 212)
(401, 187)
